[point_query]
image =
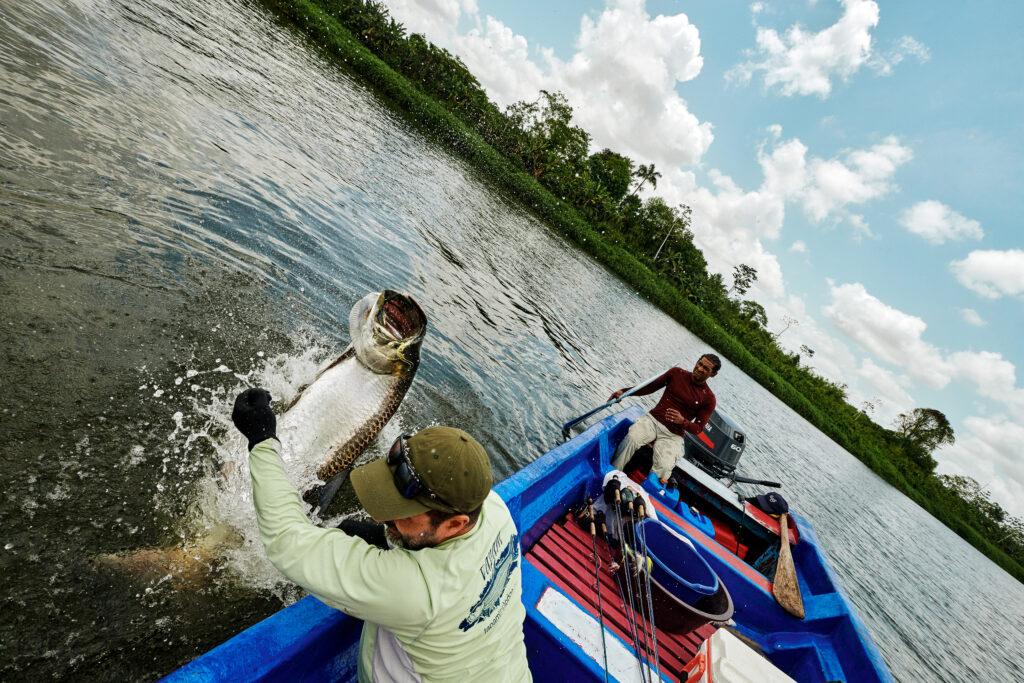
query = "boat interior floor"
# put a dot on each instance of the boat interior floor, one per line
(565, 555)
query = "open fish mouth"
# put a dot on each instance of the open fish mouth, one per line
(400, 316)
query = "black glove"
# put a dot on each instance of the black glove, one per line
(371, 532)
(253, 417)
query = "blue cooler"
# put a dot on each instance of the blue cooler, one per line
(667, 497)
(698, 520)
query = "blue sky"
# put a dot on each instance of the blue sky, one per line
(865, 157)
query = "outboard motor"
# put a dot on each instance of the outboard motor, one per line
(718, 448)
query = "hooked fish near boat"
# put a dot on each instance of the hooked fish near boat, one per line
(325, 427)
(331, 421)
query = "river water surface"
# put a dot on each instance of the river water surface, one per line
(191, 200)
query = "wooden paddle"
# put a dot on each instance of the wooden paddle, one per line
(787, 588)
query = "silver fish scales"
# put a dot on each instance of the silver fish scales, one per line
(335, 418)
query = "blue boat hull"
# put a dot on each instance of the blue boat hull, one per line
(309, 641)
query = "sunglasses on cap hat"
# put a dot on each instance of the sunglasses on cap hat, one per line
(407, 481)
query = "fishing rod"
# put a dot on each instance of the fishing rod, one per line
(627, 499)
(647, 578)
(614, 569)
(612, 490)
(597, 578)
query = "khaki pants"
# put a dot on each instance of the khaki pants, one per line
(668, 447)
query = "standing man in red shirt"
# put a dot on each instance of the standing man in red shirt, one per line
(685, 406)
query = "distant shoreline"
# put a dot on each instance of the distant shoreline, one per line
(850, 429)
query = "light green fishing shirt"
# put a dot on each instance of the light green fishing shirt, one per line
(450, 613)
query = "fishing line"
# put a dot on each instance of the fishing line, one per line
(627, 498)
(614, 569)
(647, 579)
(614, 485)
(597, 578)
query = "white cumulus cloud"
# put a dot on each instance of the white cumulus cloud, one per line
(889, 334)
(994, 376)
(862, 176)
(897, 338)
(729, 225)
(890, 388)
(827, 187)
(500, 59)
(800, 62)
(621, 81)
(937, 223)
(988, 452)
(436, 19)
(992, 273)
(971, 317)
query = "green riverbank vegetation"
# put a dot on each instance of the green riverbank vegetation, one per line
(533, 152)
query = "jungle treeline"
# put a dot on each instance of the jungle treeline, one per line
(533, 151)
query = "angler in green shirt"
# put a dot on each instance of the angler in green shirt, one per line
(445, 602)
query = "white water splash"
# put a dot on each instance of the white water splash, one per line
(222, 498)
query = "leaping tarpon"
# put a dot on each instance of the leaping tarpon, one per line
(323, 431)
(331, 421)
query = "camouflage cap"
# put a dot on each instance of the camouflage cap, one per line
(449, 462)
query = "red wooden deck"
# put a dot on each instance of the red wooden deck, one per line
(565, 555)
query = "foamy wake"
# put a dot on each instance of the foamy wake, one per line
(221, 519)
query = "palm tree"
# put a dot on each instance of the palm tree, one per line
(646, 174)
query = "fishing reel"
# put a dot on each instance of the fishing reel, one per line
(627, 505)
(581, 513)
(621, 498)
(610, 489)
(585, 515)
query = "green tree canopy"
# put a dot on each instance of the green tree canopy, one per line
(925, 427)
(753, 312)
(971, 492)
(743, 277)
(613, 171)
(549, 139)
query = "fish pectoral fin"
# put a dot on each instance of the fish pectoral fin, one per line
(322, 495)
(350, 351)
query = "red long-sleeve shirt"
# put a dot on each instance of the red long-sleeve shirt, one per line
(694, 401)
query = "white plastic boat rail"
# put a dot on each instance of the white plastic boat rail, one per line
(709, 482)
(580, 627)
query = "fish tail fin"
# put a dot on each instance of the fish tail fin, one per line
(322, 495)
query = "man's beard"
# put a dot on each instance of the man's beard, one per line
(397, 539)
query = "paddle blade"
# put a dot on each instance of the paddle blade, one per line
(787, 588)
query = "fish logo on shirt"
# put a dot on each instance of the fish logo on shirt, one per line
(504, 564)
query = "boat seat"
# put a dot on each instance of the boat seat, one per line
(564, 555)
